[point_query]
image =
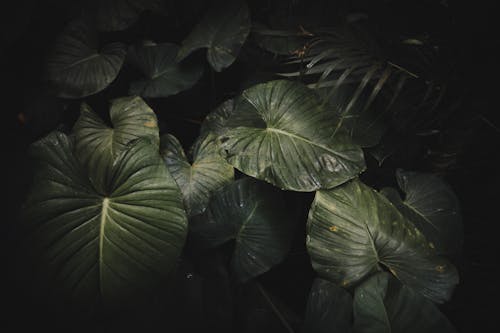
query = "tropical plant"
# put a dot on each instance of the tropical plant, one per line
(132, 218)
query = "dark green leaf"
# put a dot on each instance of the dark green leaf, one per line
(382, 304)
(215, 121)
(110, 247)
(208, 173)
(254, 214)
(432, 207)
(77, 67)
(353, 231)
(222, 31)
(279, 133)
(329, 308)
(97, 144)
(163, 75)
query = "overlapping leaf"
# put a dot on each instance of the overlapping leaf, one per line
(163, 76)
(111, 247)
(329, 307)
(382, 304)
(353, 231)
(432, 206)
(222, 31)
(279, 133)
(198, 180)
(97, 144)
(77, 67)
(252, 213)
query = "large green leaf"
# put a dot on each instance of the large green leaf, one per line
(97, 144)
(223, 30)
(432, 206)
(110, 247)
(329, 307)
(279, 133)
(382, 304)
(77, 67)
(353, 231)
(254, 214)
(163, 75)
(198, 180)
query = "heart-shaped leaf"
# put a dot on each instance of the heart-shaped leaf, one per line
(279, 133)
(328, 307)
(382, 304)
(254, 214)
(163, 75)
(208, 173)
(223, 30)
(111, 247)
(97, 144)
(354, 231)
(432, 207)
(77, 67)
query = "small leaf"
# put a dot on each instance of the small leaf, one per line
(208, 173)
(77, 67)
(216, 120)
(353, 231)
(382, 304)
(432, 207)
(163, 76)
(222, 31)
(254, 214)
(329, 306)
(279, 133)
(97, 144)
(109, 248)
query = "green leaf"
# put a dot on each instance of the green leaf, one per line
(97, 144)
(223, 30)
(364, 123)
(116, 15)
(383, 304)
(108, 248)
(432, 207)
(163, 76)
(353, 231)
(77, 67)
(328, 307)
(283, 42)
(208, 173)
(254, 214)
(216, 120)
(279, 133)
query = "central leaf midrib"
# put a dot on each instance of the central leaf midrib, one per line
(413, 209)
(301, 138)
(102, 224)
(82, 60)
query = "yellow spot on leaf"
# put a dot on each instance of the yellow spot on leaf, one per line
(431, 245)
(333, 228)
(345, 283)
(150, 124)
(440, 268)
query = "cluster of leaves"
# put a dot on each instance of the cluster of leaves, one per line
(116, 205)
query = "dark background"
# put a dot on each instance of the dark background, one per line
(470, 31)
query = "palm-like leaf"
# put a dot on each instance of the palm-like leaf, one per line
(353, 75)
